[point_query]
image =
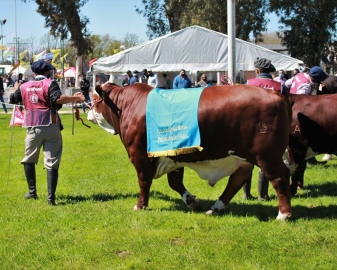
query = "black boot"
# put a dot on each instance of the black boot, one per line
(262, 187)
(31, 180)
(246, 190)
(52, 177)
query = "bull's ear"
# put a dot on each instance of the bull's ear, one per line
(99, 90)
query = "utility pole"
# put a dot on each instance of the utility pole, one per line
(2, 22)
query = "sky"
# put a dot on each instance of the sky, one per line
(113, 17)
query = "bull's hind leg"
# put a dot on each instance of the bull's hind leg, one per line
(279, 176)
(235, 182)
(175, 180)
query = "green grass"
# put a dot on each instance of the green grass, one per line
(94, 227)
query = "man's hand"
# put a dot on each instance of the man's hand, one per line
(80, 95)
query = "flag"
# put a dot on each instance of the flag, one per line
(39, 56)
(56, 62)
(24, 59)
(49, 56)
(91, 62)
(9, 52)
(65, 61)
(17, 117)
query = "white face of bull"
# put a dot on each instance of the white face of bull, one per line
(98, 118)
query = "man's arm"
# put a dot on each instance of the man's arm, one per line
(15, 97)
(57, 97)
(175, 83)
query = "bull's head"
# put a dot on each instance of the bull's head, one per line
(95, 115)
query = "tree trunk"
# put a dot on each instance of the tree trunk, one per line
(79, 70)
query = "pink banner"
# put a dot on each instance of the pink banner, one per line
(17, 117)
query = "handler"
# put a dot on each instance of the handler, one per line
(42, 99)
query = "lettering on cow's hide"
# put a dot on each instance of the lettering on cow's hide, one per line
(262, 127)
(297, 129)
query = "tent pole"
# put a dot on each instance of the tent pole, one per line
(231, 39)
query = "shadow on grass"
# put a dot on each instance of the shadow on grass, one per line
(100, 197)
(260, 210)
(315, 190)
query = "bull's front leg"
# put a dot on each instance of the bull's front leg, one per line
(235, 182)
(145, 171)
(175, 180)
(144, 195)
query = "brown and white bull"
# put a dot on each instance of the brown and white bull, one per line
(240, 126)
(313, 130)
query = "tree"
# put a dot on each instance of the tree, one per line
(163, 16)
(48, 42)
(270, 38)
(130, 40)
(308, 27)
(212, 14)
(62, 17)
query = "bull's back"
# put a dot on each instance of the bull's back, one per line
(245, 119)
(317, 108)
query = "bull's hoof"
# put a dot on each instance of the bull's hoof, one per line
(215, 212)
(283, 217)
(136, 207)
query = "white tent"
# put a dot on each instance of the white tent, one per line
(70, 72)
(194, 49)
(25, 71)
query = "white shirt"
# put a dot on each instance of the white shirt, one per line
(153, 80)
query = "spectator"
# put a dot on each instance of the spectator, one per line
(203, 81)
(134, 79)
(126, 81)
(2, 92)
(167, 81)
(281, 77)
(182, 80)
(296, 71)
(144, 77)
(152, 79)
(43, 125)
(85, 87)
(162, 81)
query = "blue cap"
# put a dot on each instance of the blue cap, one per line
(318, 74)
(135, 71)
(40, 67)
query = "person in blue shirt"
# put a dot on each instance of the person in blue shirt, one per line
(134, 78)
(182, 80)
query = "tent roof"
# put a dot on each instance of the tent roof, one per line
(70, 72)
(24, 70)
(194, 49)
